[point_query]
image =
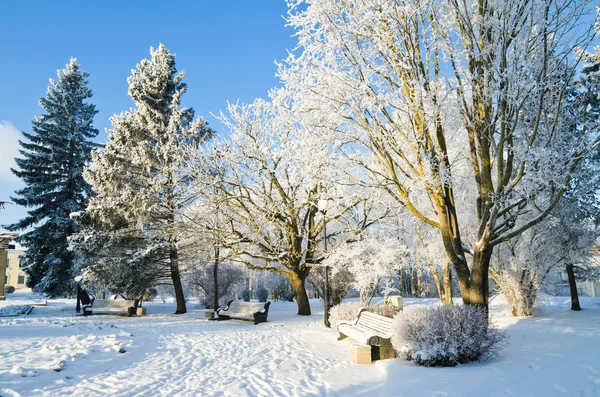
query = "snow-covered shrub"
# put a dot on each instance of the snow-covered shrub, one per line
(340, 284)
(371, 261)
(245, 294)
(9, 289)
(58, 365)
(347, 311)
(262, 294)
(288, 296)
(444, 336)
(150, 294)
(201, 280)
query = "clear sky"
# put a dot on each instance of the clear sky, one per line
(226, 47)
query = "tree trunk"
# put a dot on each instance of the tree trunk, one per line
(475, 289)
(573, 287)
(400, 282)
(176, 278)
(216, 280)
(297, 282)
(447, 284)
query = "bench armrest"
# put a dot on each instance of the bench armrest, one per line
(224, 308)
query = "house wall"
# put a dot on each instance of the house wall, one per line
(15, 275)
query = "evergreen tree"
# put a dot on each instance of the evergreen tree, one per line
(52, 162)
(139, 176)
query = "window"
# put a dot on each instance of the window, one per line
(21, 280)
(7, 263)
(20, 262)
(11, 246)
(6, 280)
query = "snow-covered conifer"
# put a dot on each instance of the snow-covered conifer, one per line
(138, 177)
(51, 166)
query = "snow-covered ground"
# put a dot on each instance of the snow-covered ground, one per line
(554, 354)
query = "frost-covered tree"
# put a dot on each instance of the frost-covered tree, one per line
(371, 259)
(51, 166)
(205, 231)
(270, 177)
(455, 108)
(139, 177)
(123, 262)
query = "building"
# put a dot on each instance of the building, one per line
(15, 276)
(5, 239)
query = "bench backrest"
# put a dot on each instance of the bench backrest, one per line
(378, 324)
(112, 304)
(246, 308)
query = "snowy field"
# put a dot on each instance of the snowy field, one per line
(554, 354)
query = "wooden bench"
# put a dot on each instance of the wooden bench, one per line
(373, 334)
(111, 306)
(256, 312)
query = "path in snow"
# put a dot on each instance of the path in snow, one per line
(186, 356)
(551, 355)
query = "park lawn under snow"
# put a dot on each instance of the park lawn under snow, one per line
(554, 354)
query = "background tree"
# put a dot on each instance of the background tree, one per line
(457, 105)
(51, 166)
(270, 179)
(139, 176)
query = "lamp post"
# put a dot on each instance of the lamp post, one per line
(78, 281)
(323, 207)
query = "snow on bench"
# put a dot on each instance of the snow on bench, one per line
(369, 330)
(245, 311)
(110, 306)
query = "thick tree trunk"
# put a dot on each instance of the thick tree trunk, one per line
(216, 280)
(300, 293)
(474, 288)
(176, 278)
(573, 287)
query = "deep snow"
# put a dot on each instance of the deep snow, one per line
(554, 354)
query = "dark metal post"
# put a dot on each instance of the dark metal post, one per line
(326, 290)
(78, 307)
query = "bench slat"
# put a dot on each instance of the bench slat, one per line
(369, 328)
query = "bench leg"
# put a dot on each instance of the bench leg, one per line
(383, 352)
(260, 319)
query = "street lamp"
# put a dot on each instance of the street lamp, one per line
(323, 207)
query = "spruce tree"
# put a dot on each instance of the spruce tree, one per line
(139, 176)
(52, 162)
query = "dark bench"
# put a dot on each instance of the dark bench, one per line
(256, 312)
(369, 329)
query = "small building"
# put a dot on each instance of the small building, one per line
(15, 276)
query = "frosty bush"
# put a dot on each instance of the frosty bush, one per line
(262, 294)
(9, 289)
(444, 336)
(245, 295)
(347, 311)
(201, 279)
(150, 294)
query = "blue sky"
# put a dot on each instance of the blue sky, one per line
(226, 47)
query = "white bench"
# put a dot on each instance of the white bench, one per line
(256, 312)
(370, 330)
(110, 306)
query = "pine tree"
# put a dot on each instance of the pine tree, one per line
(52, 162)
(139, 175)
